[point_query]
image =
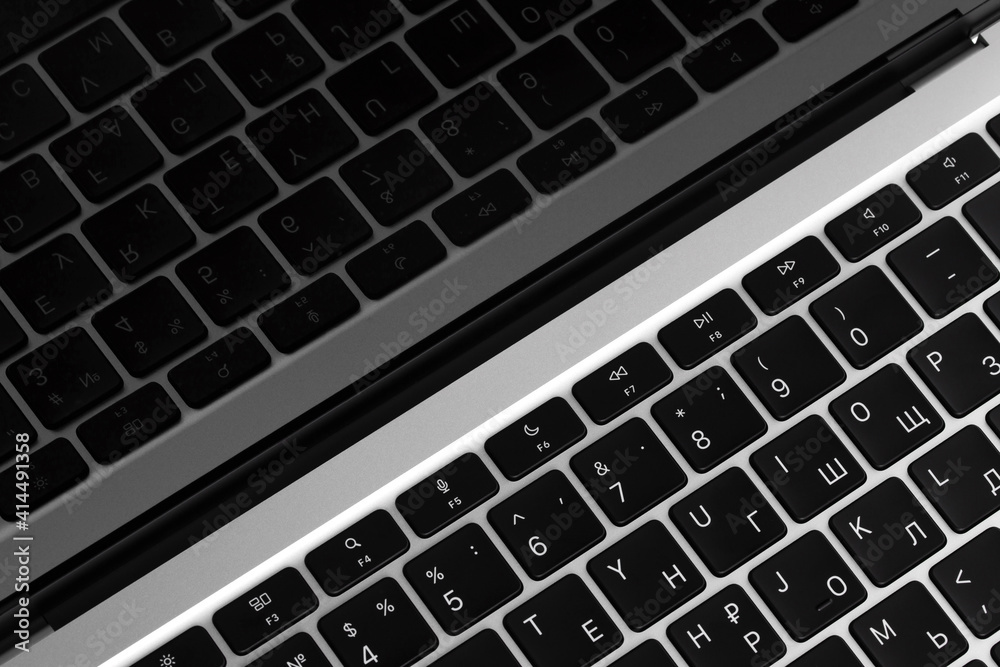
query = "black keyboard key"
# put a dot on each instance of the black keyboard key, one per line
(475, 129)
(909, 628)
(33, 200)
(873, 223)
(449, 494)
(553, 82)
(380, 626)
(191, 646)
(728, 629)
(646, 576)
(629, 37)
(707, 329)
(730, 55)
(831, 652)
(866, 317)
(795, 19)
(542, 434)
(795, 273)
(187, 106)
(961, 364)
(954, 171)
(566, 156)
(484, 650)
(462, 579)
(728, 521)
(474, 212)
(808, 598)
(14, 422)
(149, 326)
(563, 626)
(982, 211)
(12, 337)
(886, 416)
(247, 9)
(308, 314)
(28, 23)
(459, 42)
(219, 368)
(54, 283)
(969, 578)
(887, 532)
(138, 233)
(533, 19)
(381, 89)
(788, 367)
(357, 553)
(808, 468)
(64, 378)
(622, 382)
(702, 17)
(94, 64)
(265, 610)
(395, 177)
(546, 525)
(129, 423)
(961, 478)
(709, 419)
(301, 136)
(345, 29)
(300, 649)
(170, 29)
(396, 260)
(29, 110)
(650, 653)
(53, 469)
(106, 154)
(649, 105)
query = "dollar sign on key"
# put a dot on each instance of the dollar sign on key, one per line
(349, 629)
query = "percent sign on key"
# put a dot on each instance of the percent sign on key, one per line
(434, 576)
(385, 607)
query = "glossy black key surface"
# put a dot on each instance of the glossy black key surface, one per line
(808, 468)
(247, 9)
(886, 416)
(233, 276)
(12, 337)
(462, 579)
(808, 586)
(187, 106)
(170, 29)
(420, 6)
(909, 628)
(831, 652)
(219, 184)
(622, 382)
(533, 19)
(628, 37)
(345, 29)
(265, 610)
(874, 222)
(459, 42)
(94, 64)
(553, 82)
(138, 233)
(106, 154)
(300, 649)
(149, 326)
(866, 317)
(395, 177)
(728, 629)
(54, 283)
(29, 109)
(954, 171)
(219, 368)
(193, 646)
(129, 423)
(887, 531)
(19, 20)
(448, 494)
(474, 212)
(646, 576)
(542, 434)
(728, 521)
(701, 17)
(649, 105)
(795, 273)
(484, 650)
(969, 578)
(707, 328)
(14, 422)
(379, 626)
(795, 19)
(53, 469)
(475, 129)
(34, 202)
(546, 525)
(396, 260)
(788, 367)
(563, 626)
(309, 313)
(566, 156)
(730, 55)
(961, 478)
(650, 653)
(381, 88)
(960, 363)
(301, 136)
(983, 211)
(357, 553)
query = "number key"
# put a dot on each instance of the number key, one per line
(629, 37)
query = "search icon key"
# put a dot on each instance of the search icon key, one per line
(351, 543)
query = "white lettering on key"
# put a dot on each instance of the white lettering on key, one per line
(856, 527)
(618, 569)
(935, 359)
(914, 423)
(835, 476)
(910, 526)
(677, 575)
(940, 640)
(886, 633)
(531, 620)
(702, 633)
(591, 631)
(995, 482)
(708, 519)
(752, 639)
